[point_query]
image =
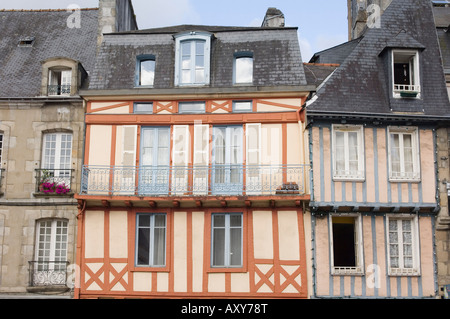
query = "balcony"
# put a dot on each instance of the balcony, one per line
(195, 181)
(48, 276)
(58, 90)
(406, 90)
(53, 182)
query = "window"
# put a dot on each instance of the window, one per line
(50, 252)
(60, 81)
(403, 247)
(242, 106)
(403, 154)
(227, 160)
(227, 240)
(192, 58)
(151, 240)
(243, 68)
(56, 159)
(348, 152)
(191, 107)
(405, 69)
(347, 256)
(143, 108)
(154, 161)
(145, 70)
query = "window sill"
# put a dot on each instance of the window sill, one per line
(405, 180)
(149, 269)
(53, 195)
(349, 179)
(399, 272)
(347, 271)
(226, 270)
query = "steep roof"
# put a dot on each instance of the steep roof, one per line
(361, 83)
(277, 58)
(20, 66)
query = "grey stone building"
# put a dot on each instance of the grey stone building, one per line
(46, 57)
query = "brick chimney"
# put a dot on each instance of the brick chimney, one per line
(274, 19)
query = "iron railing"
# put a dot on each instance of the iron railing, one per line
(48, 273)
(54, 181)
(255, 180)
(59, 89)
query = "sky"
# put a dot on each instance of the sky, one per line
(321, 24)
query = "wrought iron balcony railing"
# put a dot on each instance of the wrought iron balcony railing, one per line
(54, 181)
(48, 273)
(59, 90)
(195, 180)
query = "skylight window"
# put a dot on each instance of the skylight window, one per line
(26, 42)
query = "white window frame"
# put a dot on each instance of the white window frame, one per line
(52, 242)
(402, 271)
(401, 176)
(414, 72)
(152, 228)
(61, 170)
(347, 175)
(359, 249)
(192, 36)
(227, 227)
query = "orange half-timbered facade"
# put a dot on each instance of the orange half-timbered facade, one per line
(195, 182)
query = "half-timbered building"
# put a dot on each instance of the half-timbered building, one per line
(195, 179)
(375, 190)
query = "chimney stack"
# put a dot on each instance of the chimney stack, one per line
(274, 19)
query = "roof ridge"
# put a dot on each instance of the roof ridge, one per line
(43, 10)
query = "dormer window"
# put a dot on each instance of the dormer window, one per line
(406, 75)
(192, 59)
(61, 77)
(60, 81)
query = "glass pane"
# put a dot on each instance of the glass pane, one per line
(143, 246)
(219, 220)
(243, 106)
(236, 220)
(143, 107)
(144, 220)
(219, 247)
(235, 246)
(160, 220)
(244, 70)
(159, 248)
(147, 72)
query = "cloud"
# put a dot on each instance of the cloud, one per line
(306, 49)
(160, 13)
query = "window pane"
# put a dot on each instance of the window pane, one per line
(236, 220)
(147, 72)
(191, 107)
(219, 220)
(235, 246)
(143, 246)
(143, 107)
(243, 106)
(219, 247)
(244, 70)
(159, 248)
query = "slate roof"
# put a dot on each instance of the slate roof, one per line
(277, 58)
(361, 83)
(20, 67)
